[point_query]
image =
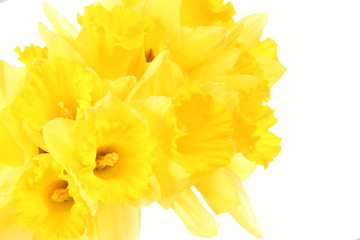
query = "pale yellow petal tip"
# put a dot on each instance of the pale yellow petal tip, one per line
(256, 231)
(47, 7)
(43, 30)
(194, 216)
(60, 24)
(247, 221)
(263, 17)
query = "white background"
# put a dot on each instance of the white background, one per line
(312, 190)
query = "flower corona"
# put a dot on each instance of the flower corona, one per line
(144, 101)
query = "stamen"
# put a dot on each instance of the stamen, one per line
(108, 160)
(60, 195)
(64, 111)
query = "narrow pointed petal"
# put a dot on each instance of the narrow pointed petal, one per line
(241, 167)
(155, 80)
(9, 228)
(272, 69)
(219, 192)
(118, 222)
(58, 46)
(243, 213)
(253, 27)
(63, 27)
(195, 217)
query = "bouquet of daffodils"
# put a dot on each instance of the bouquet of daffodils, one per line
(147, 101)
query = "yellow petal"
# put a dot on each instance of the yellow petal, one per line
(125, 25)
(266, 48)
(241, 167)
(11, 79)
(9, 229)
(243, 213)
(151, 194)
(118, 222)
(206, 13)
(13, 128)
(172, 181)
(63, 27)
(266, 149)
(121, 87)
(8, 179)
(155, 80)
(109, 4)
(217, 69)
(195, 217)
(242, 82)
(272, 69)
(224, 193)
(58, 46)
(167, 13)
(252, 30)
(218, 191)
(10, 152)
(159, 113)
(198, 45)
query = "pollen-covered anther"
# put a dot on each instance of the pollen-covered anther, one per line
(64, 111)
(108, 160)
(61, 195)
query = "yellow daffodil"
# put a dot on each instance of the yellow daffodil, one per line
(54, 88)
(110, 153)
(60, 213)
(118, 46)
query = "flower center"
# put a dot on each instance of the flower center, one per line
(60, 195)
(107, 160)
(64, 111)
